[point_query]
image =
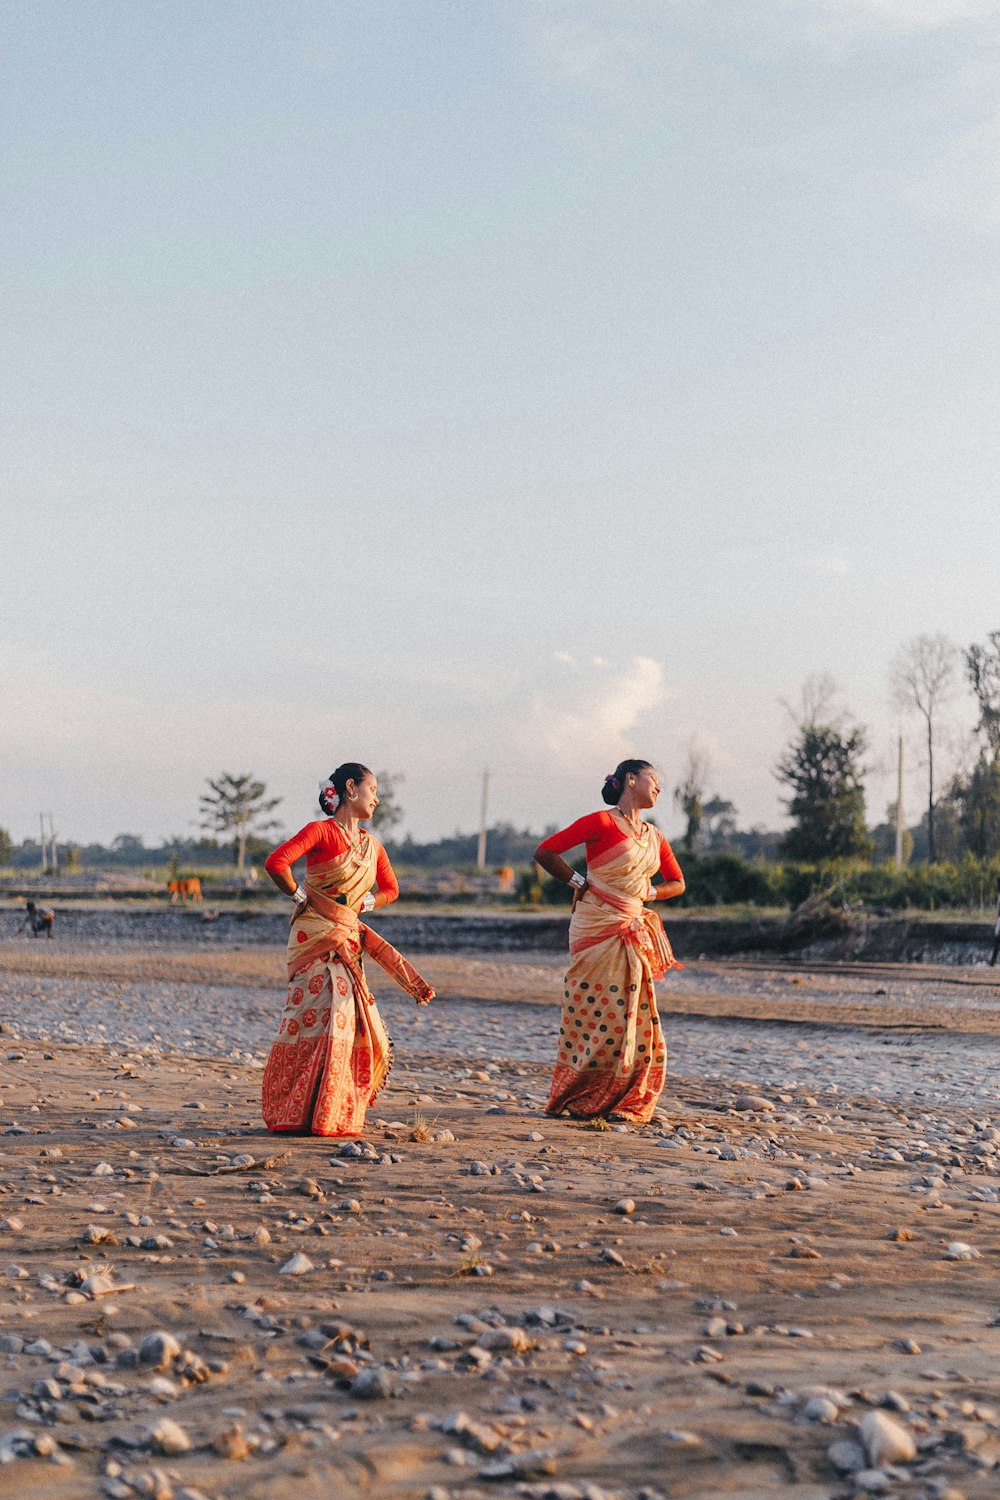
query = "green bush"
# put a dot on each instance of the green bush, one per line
(726, 879)
(730, 880)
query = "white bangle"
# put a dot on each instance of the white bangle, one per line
(578, 880)
(299, 895)
(368, 902)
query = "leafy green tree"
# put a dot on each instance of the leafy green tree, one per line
(6, 847)
(129, 848)
(238, 805)
(823, 770)
(720, 822)
(978, 798)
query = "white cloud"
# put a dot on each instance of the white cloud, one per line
(598, 720)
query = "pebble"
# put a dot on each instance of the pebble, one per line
(169, 1437)
(231, 1443)
(372, 1384)
(847, 1456)
(297, 1265)
(159, 1349)
(886, 1441)
(871, 1482)
(821, 1409)
(959, 1250)
(98, 1285)
(625, 1206)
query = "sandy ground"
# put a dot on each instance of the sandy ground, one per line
(766, 1294)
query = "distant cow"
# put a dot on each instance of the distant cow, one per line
(185, 890)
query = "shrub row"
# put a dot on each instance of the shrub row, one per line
(729, 880)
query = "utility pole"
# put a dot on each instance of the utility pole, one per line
(52, 844)
(481, 850)
(899, 807)
(41, 827)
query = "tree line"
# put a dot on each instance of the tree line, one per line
(822, 771)
(824, 766)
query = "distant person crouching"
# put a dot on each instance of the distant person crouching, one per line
(38, 919)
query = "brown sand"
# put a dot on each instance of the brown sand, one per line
(623, 1383)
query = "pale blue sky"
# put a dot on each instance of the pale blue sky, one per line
(524, 383)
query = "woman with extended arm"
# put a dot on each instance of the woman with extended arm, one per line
(332, 1052)
(612, 1058)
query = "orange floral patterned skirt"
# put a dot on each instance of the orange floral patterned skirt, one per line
(318, 1076)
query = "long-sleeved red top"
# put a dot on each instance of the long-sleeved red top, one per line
(601, 831)
(325, 840)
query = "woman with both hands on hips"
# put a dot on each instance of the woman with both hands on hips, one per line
(332, 1053)
(612, 1058)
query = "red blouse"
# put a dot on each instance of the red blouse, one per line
(601, 831)
(325, 840)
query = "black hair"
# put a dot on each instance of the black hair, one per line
(351, 770)
(614, 784)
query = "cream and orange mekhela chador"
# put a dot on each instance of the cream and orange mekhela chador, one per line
(612, 1059)
(332, 1052)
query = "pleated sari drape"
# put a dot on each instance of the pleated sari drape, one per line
(612, 1058)
(332, 1053)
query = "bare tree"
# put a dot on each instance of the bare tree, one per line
(689, 794)
(388, 813)
(817, 703)
(240, 805)
(923, 678)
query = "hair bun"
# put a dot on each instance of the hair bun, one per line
(611, 790)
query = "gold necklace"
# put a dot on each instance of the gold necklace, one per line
(354, 839)
(635, 827)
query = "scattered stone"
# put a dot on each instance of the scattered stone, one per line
(371, 1384)
(847, 1456)
(625, 1206)
(821, 1409)
(158, 1350)
(886, 1441)
(231, 1444)
(505, 1338)
(297, 1265)
(753, 1102)
(169, 1438)
(959, 1250)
